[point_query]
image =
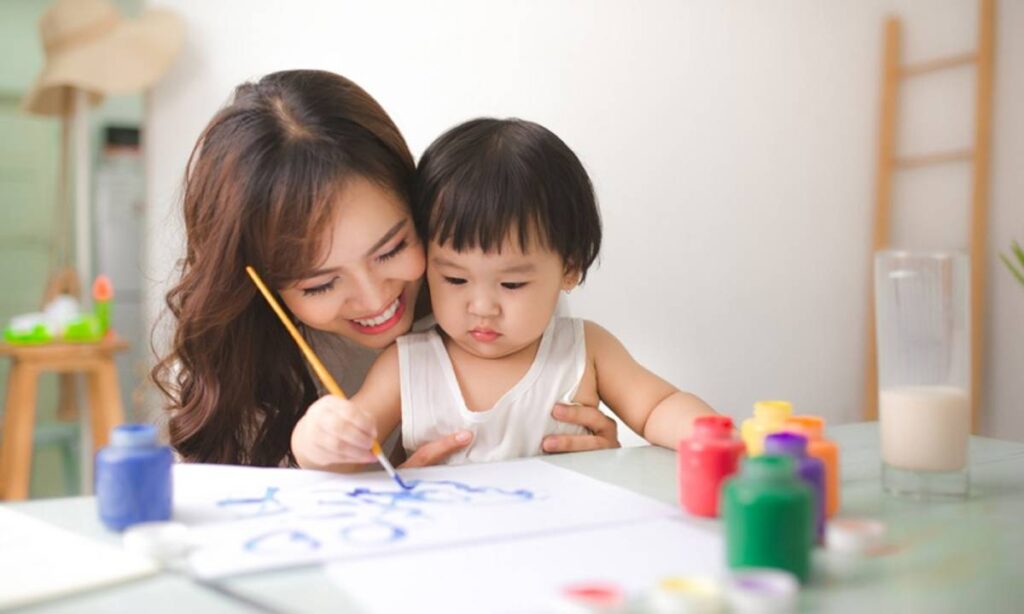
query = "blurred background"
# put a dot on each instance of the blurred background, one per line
(733, 145)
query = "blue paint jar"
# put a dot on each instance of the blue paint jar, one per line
(133, 477)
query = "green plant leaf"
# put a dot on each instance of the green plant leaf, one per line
(1009, 264)
(1018, 252)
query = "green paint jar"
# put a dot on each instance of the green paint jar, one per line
(769, 516)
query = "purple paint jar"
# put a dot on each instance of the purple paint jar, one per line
(811, 470)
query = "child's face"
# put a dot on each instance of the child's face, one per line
(367, 286)
(493, 305)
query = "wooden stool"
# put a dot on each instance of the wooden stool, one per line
(95, 360)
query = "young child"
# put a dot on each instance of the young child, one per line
(511, 221)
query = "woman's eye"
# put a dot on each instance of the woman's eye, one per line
(327, 287)
(394, 252)
(513, 285)
(455, 281)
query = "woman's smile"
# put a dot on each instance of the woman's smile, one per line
(382, 321)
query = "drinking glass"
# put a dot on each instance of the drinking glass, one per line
(922, 315)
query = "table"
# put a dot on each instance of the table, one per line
(963, 556)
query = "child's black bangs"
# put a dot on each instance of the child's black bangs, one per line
(481, 211)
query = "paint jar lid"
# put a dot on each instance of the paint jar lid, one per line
(769, 467)
(793, 444)
(162, 541)
(591, 598)
(133, 436)
(762, 591)
(812, 427)
(776, 411)
(712, 427)
(854, 535)
(686, 594)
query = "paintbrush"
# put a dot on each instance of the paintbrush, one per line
(318, 367)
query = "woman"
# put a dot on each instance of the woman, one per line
(307, 179)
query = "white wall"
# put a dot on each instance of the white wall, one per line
(731, 143)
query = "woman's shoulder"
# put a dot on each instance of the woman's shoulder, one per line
(345, 359)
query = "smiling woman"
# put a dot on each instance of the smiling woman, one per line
(293, 154)
(370, 273)
(304, 177)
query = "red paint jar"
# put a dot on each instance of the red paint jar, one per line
(706, 459)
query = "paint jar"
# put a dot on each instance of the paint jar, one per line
(922, 315)
(685, 595)
(810, 469)
(591, 598)
(133, 477)
(705, 460)
(762, 591)
(769, 516)
(825, 450)
(769, 417)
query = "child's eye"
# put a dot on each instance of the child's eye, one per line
(513, 285)
(327, 287)
(455, 281)
(394, 252)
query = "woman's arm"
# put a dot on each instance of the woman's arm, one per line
(649, 405)
(604, 431)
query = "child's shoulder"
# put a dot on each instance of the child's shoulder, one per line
(591, 328)
(419, 337)
(597, 337)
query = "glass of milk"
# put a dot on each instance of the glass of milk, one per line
(922, 315)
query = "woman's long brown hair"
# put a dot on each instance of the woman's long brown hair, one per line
(259, 189)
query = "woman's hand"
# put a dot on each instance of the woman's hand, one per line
(605, 432)
(436, 451)
(333, 432)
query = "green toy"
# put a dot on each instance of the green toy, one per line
(28, 330)
(39, 328)
(85, 328)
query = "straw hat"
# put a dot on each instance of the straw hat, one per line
(89, 45)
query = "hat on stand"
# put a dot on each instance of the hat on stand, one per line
(90, 46)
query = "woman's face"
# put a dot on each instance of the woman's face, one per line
(370, 276)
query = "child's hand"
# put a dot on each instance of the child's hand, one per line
(333, 432)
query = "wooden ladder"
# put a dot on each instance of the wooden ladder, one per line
(889, 162)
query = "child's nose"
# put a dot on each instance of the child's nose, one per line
(484, 305)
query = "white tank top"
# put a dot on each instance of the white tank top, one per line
(433, 406)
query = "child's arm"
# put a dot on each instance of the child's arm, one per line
(336, 434)
(648, 404)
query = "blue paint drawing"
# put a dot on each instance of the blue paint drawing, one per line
(444, 491)
(284, 541)
(361, 517)
(251, 507)
(374, 533)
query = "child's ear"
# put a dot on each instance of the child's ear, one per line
(570, 280)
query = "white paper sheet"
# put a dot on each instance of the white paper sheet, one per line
(40, 561)
(247, 519)
(527, 575)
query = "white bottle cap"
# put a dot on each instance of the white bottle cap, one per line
(854, 535)
(165, 542)
(762, 591)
